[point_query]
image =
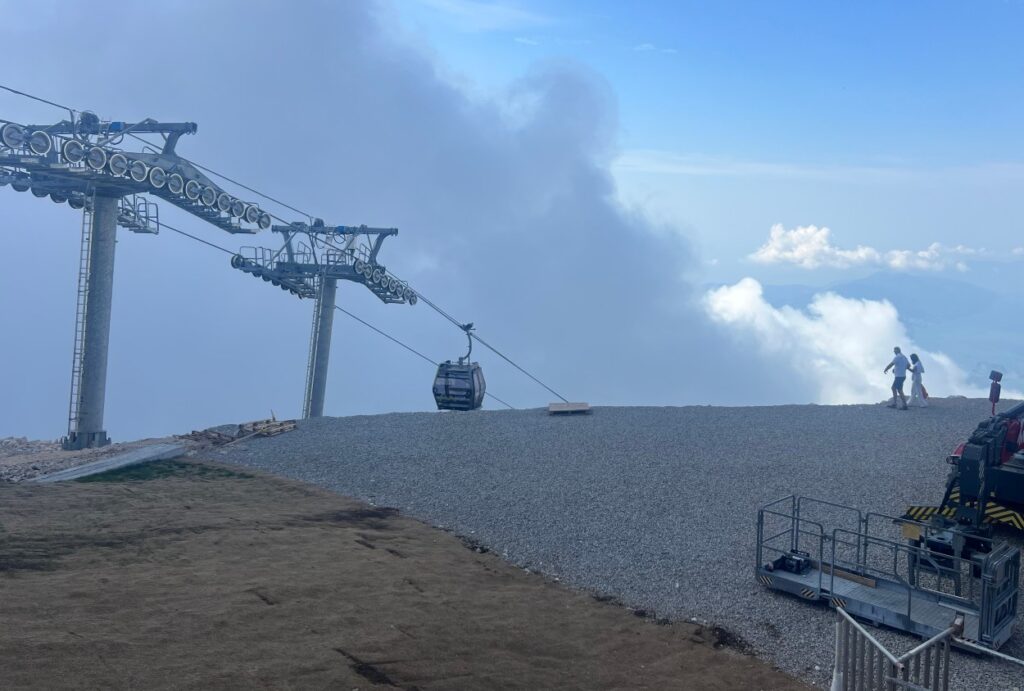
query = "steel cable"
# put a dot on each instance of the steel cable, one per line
(340, 309)
(487, 345)
(429, 302)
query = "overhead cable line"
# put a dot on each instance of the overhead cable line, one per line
(490, 395)
(386, 335)
(407, 347)
(509, 361)
(36, 98)
(440, 311)
(434, 306)
(196, 238)
(487, 345)
(72, 111)
(232, 181)
(337, 307)
(437, 308)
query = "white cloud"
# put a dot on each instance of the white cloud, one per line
(526, 41)
(476, 15)
(839, 345)
(810, 247)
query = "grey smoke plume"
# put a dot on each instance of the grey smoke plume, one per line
(504, 203)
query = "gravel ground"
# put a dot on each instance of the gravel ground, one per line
(656, 506)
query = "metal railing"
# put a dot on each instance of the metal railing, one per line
(864, 664)
(854, 550)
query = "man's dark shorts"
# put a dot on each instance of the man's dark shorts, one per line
(897, 383)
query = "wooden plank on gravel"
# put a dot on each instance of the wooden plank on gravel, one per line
(568, 408)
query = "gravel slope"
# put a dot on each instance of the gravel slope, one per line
(656, 506)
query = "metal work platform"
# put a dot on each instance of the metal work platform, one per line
(346, 253)
(889, 571)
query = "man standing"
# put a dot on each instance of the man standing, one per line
(899, 366)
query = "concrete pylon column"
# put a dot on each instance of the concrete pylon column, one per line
(317, 386)
(89, 430)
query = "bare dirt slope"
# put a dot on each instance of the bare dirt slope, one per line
(196, 576)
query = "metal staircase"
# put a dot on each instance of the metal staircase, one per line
(81, 310)
(314, 344)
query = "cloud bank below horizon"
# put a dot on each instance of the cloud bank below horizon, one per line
(838, 345)
(810, 247)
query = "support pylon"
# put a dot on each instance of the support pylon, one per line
(89, 371)
(320, 348)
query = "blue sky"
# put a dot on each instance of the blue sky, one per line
(595, 185)
(801, 82)
(895, 124)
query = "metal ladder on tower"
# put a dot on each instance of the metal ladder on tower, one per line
(81, 309)
(314, 342)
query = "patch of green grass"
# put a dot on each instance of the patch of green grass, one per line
(161, 469)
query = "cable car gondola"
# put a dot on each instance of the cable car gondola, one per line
(460, 385)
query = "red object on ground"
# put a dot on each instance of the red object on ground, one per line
(924, 392)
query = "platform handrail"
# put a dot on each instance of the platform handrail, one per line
(897, 548)
(907, 587)
(926, 666)
(871, 639)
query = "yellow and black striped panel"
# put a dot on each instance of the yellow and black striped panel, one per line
(765, 580)
(923, 513)
(838, 603)
(994, 513)
(809, 593)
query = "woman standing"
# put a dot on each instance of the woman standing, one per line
(917, 395)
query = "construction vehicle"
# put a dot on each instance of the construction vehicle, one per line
(918, 572)
(985, 487)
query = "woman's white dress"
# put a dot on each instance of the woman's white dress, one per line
(916, 388)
